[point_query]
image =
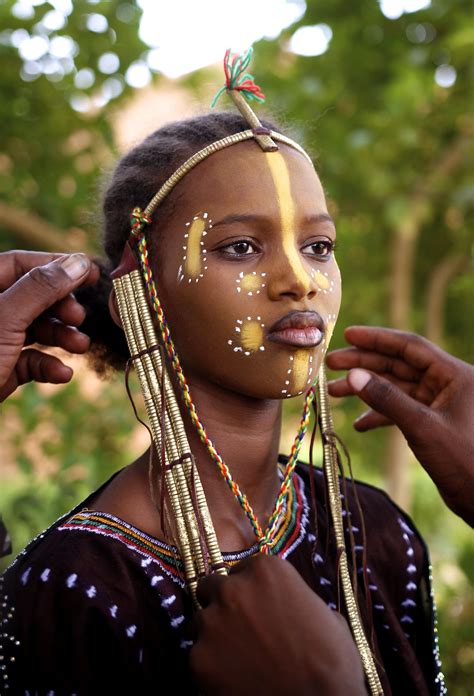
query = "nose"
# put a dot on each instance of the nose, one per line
(291, 277)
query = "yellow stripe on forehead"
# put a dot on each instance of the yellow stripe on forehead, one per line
(281, 181)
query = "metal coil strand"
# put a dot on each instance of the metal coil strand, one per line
(154, 369)
(209, 150)
(332, 475)
(186, 474)
(150, 388)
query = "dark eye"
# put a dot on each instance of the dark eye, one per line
(240, 248)
(323, 248)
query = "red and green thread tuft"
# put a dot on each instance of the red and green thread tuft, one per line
(237, 79)
(139, 221)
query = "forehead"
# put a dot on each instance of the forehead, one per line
(241, 177)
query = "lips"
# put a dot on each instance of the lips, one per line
(299, 329)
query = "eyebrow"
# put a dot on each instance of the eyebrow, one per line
(262, 219)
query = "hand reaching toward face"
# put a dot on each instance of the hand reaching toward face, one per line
(263, 630)
(429, 394)
(36, 306)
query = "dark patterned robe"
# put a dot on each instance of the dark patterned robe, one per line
(95, 606)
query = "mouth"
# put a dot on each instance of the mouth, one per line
(298, 329)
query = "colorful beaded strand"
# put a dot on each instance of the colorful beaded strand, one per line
(265, 542)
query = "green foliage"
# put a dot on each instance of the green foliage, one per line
(51, 154)
(66, 445)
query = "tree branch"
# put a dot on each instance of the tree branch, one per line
(35, 232)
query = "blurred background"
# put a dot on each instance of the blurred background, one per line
(381, 94)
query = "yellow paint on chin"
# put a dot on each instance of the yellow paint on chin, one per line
(250, 282)
(281, 180)
(193, 251)
(321, 280)
(300, 370)
(251, 335)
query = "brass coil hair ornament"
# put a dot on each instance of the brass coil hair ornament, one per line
(181, 478)
(201, 155)
(332, 476)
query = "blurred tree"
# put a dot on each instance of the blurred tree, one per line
(62, 63)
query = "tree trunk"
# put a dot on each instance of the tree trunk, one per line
(436, 295)
(34, 232)
(404, 241)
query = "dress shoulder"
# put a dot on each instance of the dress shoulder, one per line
(79, 607)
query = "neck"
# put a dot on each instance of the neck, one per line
(246, 433)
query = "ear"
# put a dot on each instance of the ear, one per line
(113, 309)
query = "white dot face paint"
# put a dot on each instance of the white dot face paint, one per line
(194, 259)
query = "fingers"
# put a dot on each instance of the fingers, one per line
(51, 332)
(348, 358)
(68, 310)
(209, 588)
(32, 365)
(371, 420)
(408, 347)
(39, 289)
(15, 264)
(390, 401)
(342, 387)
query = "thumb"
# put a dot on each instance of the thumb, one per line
(386, 398)
(209, 588)
(36, 291)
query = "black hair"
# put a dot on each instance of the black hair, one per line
(135, 180)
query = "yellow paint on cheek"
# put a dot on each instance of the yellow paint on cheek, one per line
(251, 335)
(250, 282)
(321, 280)
(300, 370)
(281, 180)
(193, 252)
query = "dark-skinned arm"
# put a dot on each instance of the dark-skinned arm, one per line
(429, 394)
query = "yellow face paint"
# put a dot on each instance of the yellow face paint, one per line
(193, 251)
(251, 282)
(300, 370)
(321, 280)
(251, 335)
(281, 180)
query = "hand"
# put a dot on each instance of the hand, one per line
(30, 284)
(429, 394)
(263, 630)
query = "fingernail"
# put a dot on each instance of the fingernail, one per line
(75, 265)
(358, 379)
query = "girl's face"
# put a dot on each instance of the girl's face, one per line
(246, 272)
